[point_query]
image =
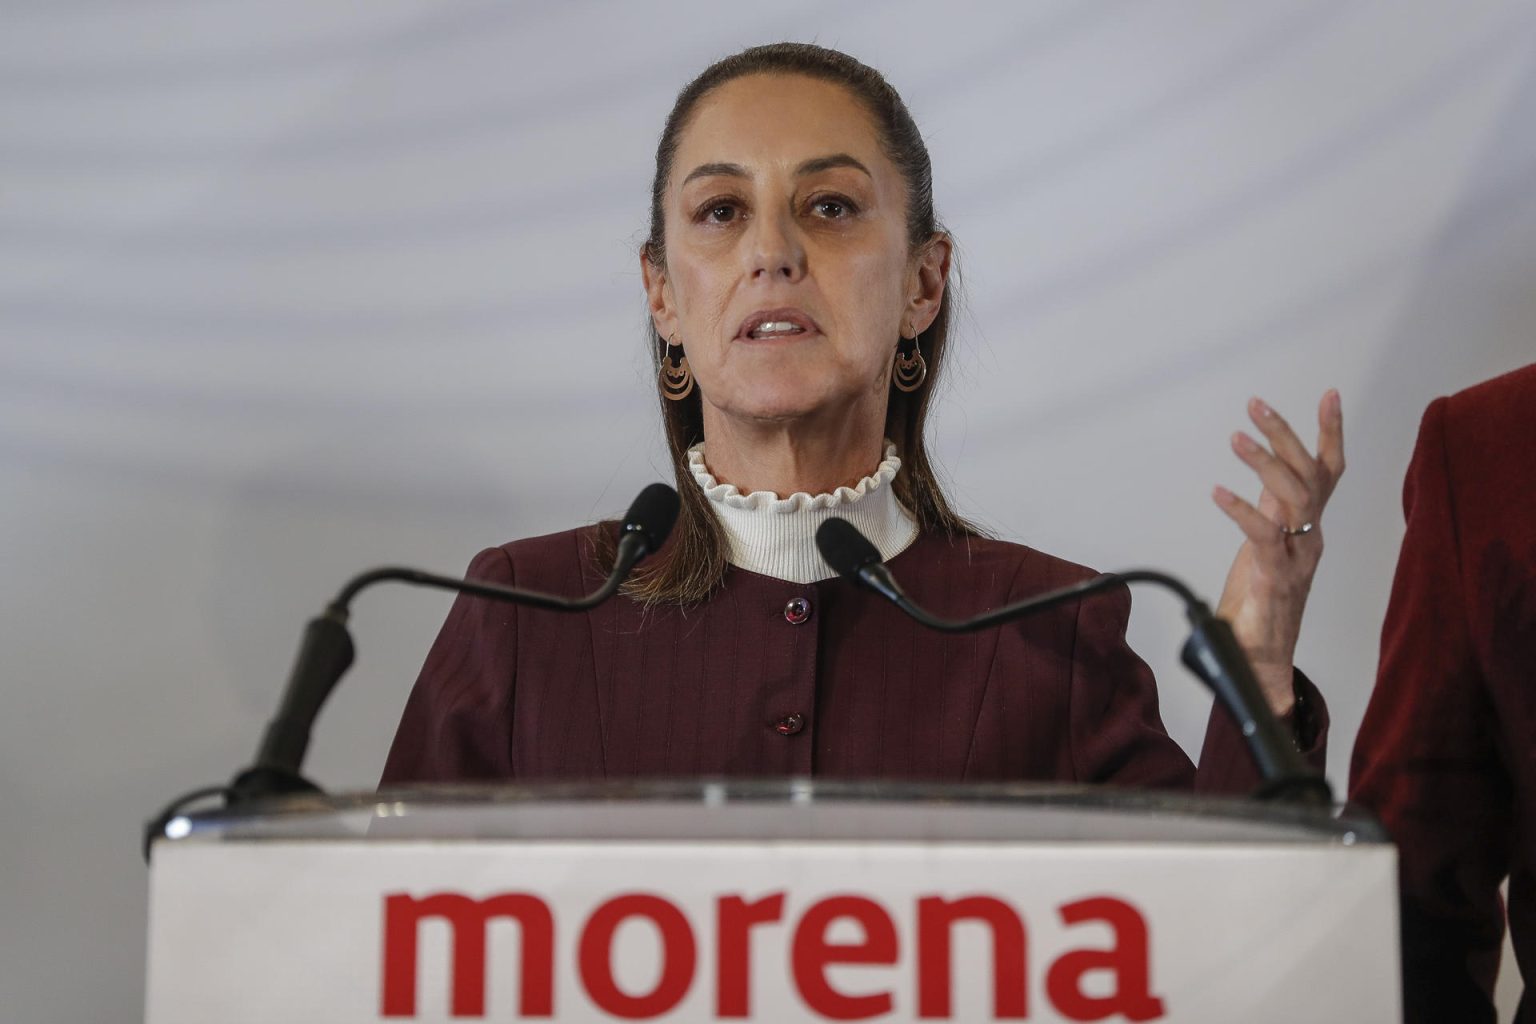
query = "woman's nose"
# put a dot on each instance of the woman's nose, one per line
(775, 251)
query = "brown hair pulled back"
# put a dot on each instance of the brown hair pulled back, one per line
(694, 563)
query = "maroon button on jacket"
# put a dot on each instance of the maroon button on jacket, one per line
(771, 678)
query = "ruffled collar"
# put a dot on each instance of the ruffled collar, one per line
(776, 537)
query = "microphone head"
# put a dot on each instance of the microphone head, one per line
(651, 515)
(845, 549)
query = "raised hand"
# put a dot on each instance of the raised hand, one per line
(1266, 589)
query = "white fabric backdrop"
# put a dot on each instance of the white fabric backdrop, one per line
(290, 289)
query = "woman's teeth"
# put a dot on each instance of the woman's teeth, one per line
(773, 327)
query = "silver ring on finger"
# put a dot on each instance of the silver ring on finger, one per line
(1297, 531)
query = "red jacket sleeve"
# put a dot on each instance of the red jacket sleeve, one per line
(457, 723)
(1426, 761)
(1117, 731)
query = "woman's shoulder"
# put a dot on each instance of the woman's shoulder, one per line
(987, 560)
(569, 555)
(1514, 391)
(1477, 440)
(1490, 421)
(563, 544)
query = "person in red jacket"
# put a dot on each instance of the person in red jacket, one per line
(796, 278)
(1446, 755)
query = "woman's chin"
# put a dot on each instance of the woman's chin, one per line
(780, 405)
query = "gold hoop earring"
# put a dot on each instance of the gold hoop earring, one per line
(911, 368)
(676, 378)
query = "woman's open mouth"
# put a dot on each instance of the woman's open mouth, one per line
(775, 325)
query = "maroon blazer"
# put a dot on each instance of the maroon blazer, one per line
(770, 678)
(1447, 752)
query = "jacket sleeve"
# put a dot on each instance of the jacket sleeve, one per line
(457, 723)
(1426, 763)
(1227, 766)
(1118, 734)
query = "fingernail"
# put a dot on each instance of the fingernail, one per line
(1244, 443)
(1224, 496)
(1261, 408)
(1335, 403)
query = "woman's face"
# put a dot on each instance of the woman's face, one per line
(788, 277)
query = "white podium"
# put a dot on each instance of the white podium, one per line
(773, 901)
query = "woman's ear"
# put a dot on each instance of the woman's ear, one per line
(931, 278)
(658, 295)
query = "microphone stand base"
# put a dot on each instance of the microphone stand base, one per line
(1299, 789)
(260, 782)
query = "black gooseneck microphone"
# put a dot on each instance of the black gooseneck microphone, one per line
(327, 651)
(1211, 652)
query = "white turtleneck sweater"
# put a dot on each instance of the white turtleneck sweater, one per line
(776, 537)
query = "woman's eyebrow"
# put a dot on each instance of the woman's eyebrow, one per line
(712, 170)
(811, 166)
(826, 163)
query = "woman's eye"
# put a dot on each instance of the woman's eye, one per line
(832, 209)
(720, 213)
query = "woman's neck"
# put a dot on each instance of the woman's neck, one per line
(791, 457)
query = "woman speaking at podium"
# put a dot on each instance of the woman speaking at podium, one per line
(796, 279)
